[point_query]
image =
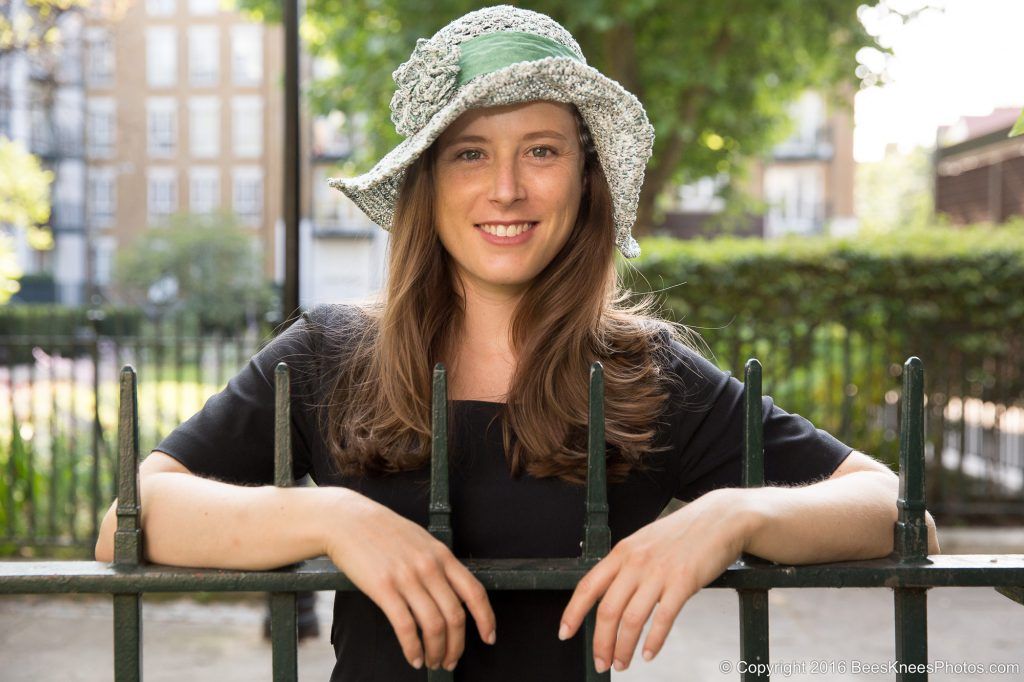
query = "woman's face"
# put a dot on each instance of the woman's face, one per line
(497, 171)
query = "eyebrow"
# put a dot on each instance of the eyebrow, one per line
(529, 136)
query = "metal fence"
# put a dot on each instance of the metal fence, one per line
(908, 571)
(844, 380)
(58, 423)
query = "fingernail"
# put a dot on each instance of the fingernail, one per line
(648, 654)
(600, 665)
(451, 666)
(619, 666)
(491, 638)
(563, 632)
(418, 663)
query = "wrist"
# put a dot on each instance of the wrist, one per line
(749, 513)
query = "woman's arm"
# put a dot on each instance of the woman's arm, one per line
(413, 577)
(846, 517)
(849, 516)
(193, 521)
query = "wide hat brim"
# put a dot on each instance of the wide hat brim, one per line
(622, 134)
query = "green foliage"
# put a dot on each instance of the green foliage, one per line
(832, 320)
(704, 70)
(24, 205)
(1018, 127)
(896, 192)
(207, 266)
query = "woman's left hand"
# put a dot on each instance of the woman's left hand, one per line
(665, 563)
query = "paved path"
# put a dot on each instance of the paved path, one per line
(71, 639)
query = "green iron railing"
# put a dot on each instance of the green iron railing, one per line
(908, 571)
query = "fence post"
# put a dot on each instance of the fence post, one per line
(754, 647)
(128, 537)
(596, 534)
(911, 603)
(439, 508)
(284, 623)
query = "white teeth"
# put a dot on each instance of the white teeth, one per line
(507, 230)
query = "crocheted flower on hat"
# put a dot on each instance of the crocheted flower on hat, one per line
(426, 82)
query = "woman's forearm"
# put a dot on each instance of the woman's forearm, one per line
(193, 521)
(851, 517)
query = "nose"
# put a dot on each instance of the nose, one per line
(507, 182)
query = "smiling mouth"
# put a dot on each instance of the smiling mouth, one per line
(507, 230)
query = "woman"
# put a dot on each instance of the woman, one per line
(519, 175)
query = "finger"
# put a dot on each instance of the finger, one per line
(397, 611)
(454, 615)
(589, 589)
(672, 601)
(431, 622)
(632, 623)
(472, 592)
(609, 612)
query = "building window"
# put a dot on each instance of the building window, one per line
(161, 126)
(203, 55)
(796, 200)
(102, 196)
(247, 126)
(161, 193)
(100, 127)
(104, 249)
(247, 194)
(204, 126)
(161, 56)
(203, 189)
(247, 54)
(161, 8)
(99, 60)
(203, 7)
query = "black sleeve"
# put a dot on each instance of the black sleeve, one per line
(707, 433)
(232, 437)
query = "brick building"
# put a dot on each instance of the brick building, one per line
(979, 171)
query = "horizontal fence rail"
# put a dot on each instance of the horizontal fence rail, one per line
(908, 571)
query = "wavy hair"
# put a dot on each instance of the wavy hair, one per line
(377, 417)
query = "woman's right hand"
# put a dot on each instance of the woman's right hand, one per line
(413, 577)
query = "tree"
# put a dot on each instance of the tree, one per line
(33, 26)
(896, 192)
(24, 207)
(207, 266)
(715, 77)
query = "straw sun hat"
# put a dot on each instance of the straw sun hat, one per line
(506, 55)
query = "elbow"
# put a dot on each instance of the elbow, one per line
(104, 552)
(104, 549)
(933, 535)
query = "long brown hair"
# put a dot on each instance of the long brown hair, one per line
(376, 419)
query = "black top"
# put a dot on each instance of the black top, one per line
(493, 515)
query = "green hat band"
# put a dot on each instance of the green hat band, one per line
(492, 51)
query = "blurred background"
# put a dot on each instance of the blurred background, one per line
(833, 189)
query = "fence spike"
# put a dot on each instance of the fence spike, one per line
(754, 644)
(440, 509)
(911, 529)
(283, 473)
(128, 535)
(596, 534)
(911, 603)
(284, 622)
